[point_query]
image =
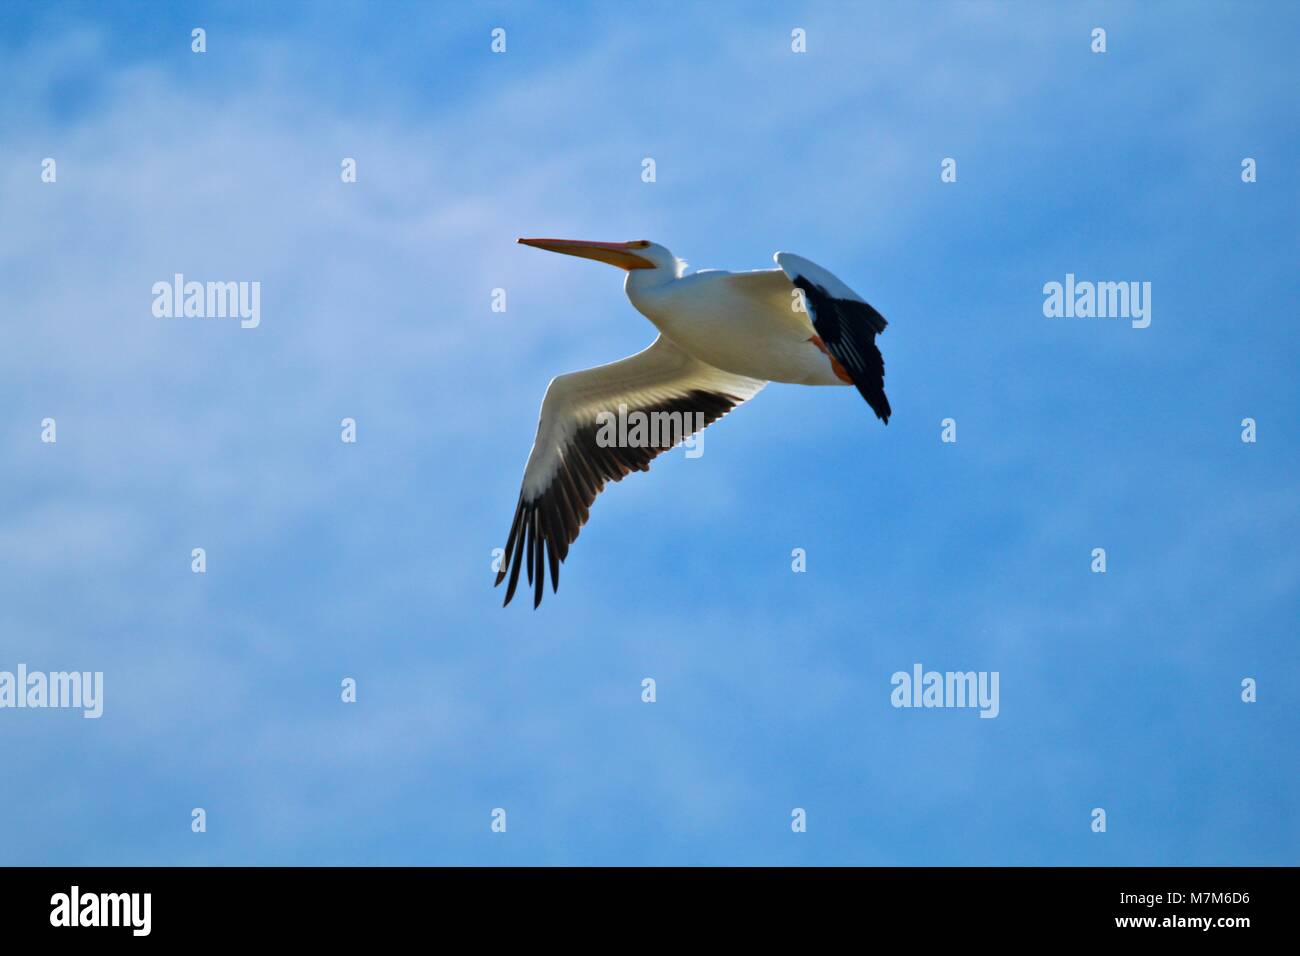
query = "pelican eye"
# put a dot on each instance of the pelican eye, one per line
(639, 244)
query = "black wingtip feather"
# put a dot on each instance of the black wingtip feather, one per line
(514, 559)
(848, 328)
(539, 556)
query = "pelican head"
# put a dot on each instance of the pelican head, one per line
(641, 254)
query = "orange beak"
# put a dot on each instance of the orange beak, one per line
(621, 254)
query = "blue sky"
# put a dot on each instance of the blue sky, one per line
(372, 560)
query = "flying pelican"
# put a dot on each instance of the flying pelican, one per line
(722, 337)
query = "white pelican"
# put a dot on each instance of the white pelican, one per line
(722, 337)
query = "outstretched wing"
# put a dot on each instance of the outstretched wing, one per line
(847, 326)
(578, 445)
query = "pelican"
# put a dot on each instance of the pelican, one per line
(722, 337)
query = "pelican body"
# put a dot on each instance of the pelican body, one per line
(722, 337)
